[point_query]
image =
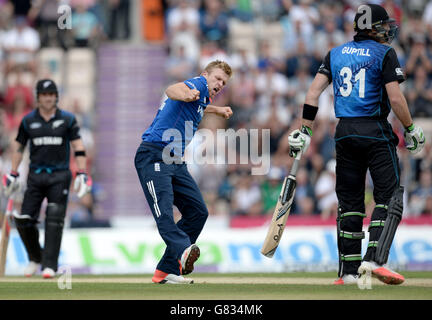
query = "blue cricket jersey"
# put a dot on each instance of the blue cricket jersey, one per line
(177, 121)
(359, 71)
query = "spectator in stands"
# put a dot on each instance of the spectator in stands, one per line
(179, 66)
(243, 59)
(301, 59)
(246, 199)
(300, 84)
(118, 19)
(15, 111)
(270, 84)
(330, 36)
(420, 196)
(269, 10)
(85, 26)
(275, 116)
(18, 89)
(304, 199)
(270, 190)
(266, 57)
(214, 22)
(304, 17)
(241, 9)
(325, 191)
(6, 15)
(418, 92)
(21, 44)
(393, 10)
(211, 51)
(21, 7)
(242, 98)
(183, 28)
(45, 15)
(427, 17)
(417, 43)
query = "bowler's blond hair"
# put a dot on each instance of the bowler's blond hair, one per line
(225, 67)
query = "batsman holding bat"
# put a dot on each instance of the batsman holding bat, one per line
(366, 75)
(165, 178)
(49, 131)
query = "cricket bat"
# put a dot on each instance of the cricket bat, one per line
(5, 232)
(282, 211)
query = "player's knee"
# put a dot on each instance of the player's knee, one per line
(351, 220)
(25, 222)
(55, 214)
(350, 234)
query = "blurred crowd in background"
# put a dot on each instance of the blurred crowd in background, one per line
(274, 47)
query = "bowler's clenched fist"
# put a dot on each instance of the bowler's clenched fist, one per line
(192, 95)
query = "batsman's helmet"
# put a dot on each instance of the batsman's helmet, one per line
(372, 17)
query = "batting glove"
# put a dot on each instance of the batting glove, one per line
(299, 140)
(83, 184)
(414, 138)
(10, 183)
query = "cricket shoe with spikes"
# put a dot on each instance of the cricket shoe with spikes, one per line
(48, 273)
(382, 273)
(162, 277)
(31, 268)
(188, 258)
(346, 279)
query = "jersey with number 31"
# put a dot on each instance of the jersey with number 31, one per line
(359, 71)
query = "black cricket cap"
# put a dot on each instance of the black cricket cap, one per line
(46, 86)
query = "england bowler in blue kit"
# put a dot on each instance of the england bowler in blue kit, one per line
(164, 176)
(365, 74)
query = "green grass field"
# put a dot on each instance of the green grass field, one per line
(245, 286)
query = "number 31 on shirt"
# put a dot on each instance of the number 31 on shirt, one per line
(346, 73)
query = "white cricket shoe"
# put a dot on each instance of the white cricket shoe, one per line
(188, 258)
(162, 277)
(347, 279)
(48, 273)
(382, 273)
(31, 268)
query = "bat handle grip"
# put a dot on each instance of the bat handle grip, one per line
(295, 165)
(9, 206)
(298, 155)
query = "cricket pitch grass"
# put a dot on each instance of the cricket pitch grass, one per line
(244, 286)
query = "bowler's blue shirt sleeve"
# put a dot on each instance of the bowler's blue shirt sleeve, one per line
(196, 83)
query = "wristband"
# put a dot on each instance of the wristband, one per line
(410, 127)
(309, 112)
(14, 173)
(80, 153)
